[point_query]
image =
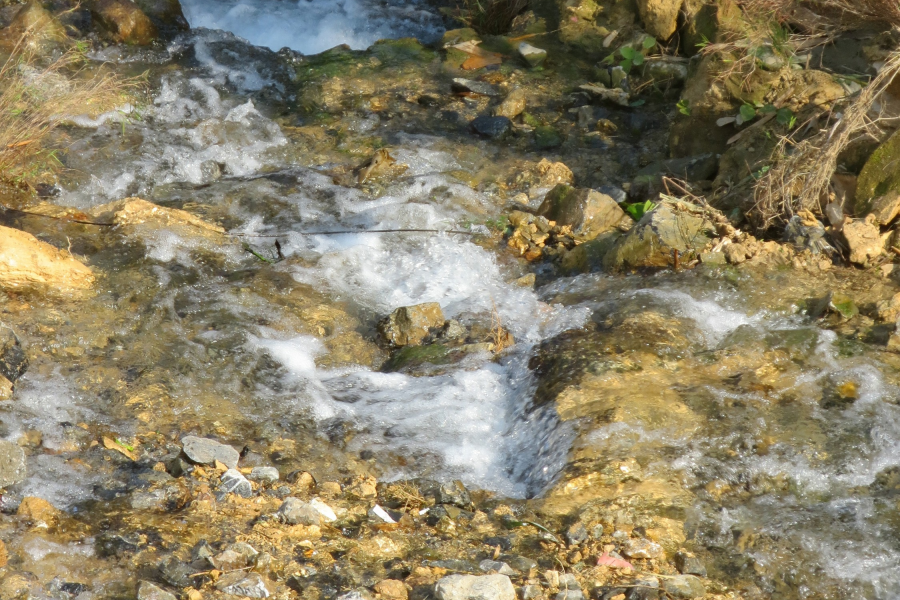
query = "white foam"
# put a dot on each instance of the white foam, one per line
(311, 26)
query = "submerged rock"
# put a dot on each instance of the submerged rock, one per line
(242, 584)
(684, 586)
(35, 27)
(532, 55)
(410, 325)
(512, 106)
(12, 464)
(491, 127)
(472, 587)
(13, 361)
(151, 591)
(206, 451)
(588, 212)
(27, 263)
(295, 511)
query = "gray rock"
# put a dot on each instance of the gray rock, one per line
(577, 533)
(360, 594)
(267, 475)
(653, 240)
(150, 591)
(206, 451)
(642, 548)
(666, 69)
(588, 212)
(568, 581)
(644, 588)
(488, 565)
(454, 493)
(531, 592)
(688, 564)
(616, 193)
(512, 106)
(410, 325)
(532, 55)
(233, 482)
(295, 511)
(13, 362)
(176, 573)
(568, 594)
(250, 585)
(491, 127)
(12, 464)
(519, 563)
(472, 587)
(684, 586)
(460, 86)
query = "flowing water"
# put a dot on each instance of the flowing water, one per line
(778, 440)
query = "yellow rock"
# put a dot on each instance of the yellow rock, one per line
(137, 211)
(27, 263)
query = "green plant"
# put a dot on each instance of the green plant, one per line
(684, 107)
(632, 56)
(748, 112)
(637, 210)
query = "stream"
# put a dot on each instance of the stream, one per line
(775, 441)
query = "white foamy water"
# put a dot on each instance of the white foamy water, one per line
(311, 26)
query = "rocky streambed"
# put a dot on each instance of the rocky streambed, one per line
(378, 324)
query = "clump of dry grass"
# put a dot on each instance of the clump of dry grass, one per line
(36, 97)
(801, 173)
(489, 17)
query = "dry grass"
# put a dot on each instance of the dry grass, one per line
(36, 97)
(489, 17)
(500, 336)
(801, 174)
(406, 494)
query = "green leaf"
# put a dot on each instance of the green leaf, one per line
(648, 42)
(626, 65)
(637, 210)
(767, 109)
(747, 112)
(638, 59)
(784, 116)
(627, 52)
(638, 102)
(610, 59)
(684, 107)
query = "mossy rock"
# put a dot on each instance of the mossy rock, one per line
(546, 137)
(588, 256)
(458, 36)
(336, 62)
(880, 175)
(410, 357)
(403, 50)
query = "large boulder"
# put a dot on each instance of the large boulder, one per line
(125, 21)
(35, 26)
(167, 15)
(472, 587)
(658, 236)
(880, 175)
(588, 212)
(27, 263)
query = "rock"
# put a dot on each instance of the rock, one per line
(736, 253)
(472, 587)
(13, 362)
(249, 585)
(660, 17)
(358, 594)
(546, 137)
(642, 548)
(615, 95)
(35, 27)
(863, 239)
(644, 588)
(206, 451)
(150, 591)
(669, 69)
(568, 581)
(683, 586)
(37, 510)
(588, 212)
(410, 325)
(454, 493)
(496, 566)
(532, 592)
(6, 388)
(27, 263)
(616, 193)
(267, 475)
(886, 208)
(519, 563)
(4, 555)
(531, 54)
(234, 482)
(688, 564)
(706, 21)
(653, 241)
(467, 86)
(512, 106)
(134, 212)
(880, 175)
(167, 15)
(391, 589)
(458, 36)
(176, 572)
(576, 533)
(125, 22)
(12, 464)
(553, 173)
(295, 511)
(491, 127)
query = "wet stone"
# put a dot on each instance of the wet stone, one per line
(295, 511)
(684, 586)
(642, 548)
(233, 482)
(12, 464)
(504, 543)
(461, 86)
(206, 451)
(644, 588)
(491, 127)
(267, 475)
(532, 55)
(454, 493)
(150, 591)
(688, 564)
(360, 594)
(470, 587)
(175, 572)
(531, 592)
(242, 584)
(13, 361)
(577, 533)
(410, 325)
(391, 589)
(496, 566)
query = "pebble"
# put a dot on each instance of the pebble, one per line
(12, 464)
(491, 127)
(533, 55)
(295, 511)
(569, 582)
(454, 493)
(642, 548)
(176, 573)
(233, 482)
(267, 475)
(243, 584)
(206, 451)
(684, 586)
(150, 591)
(392, 589)
(472, 587)
(461, 85)
(488, 565)
(577, 533)
(531, 592)
(688, 564)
